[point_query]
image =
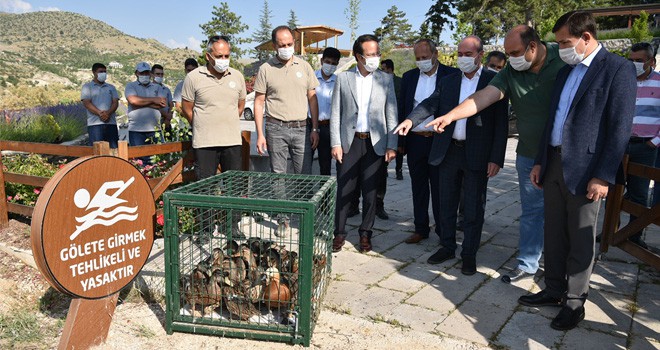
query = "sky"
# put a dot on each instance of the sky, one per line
(176, 23)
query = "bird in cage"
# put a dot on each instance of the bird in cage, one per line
(202, 288)
(276, 292)
(235, 299)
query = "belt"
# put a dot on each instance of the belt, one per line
(289, 124)
(423, 133)
(556, 149)
(324, 122)
(362, 135)
(459, 143)
(636, 139)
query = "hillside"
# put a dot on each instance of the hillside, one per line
(40, 48)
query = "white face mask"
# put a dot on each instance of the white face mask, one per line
(424, 66)
(520, 63)
(639, 67)
(158, 80)
(466, 64)
(285, 53)
(371, 63)
(329, 69)
(221, 65)
(493, 70)
(570, 55)
(101, 77)
(144, 79)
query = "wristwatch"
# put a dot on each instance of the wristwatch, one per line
(317, 130)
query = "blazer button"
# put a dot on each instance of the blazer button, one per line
(353, 128)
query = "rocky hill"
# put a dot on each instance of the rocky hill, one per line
(40, 48)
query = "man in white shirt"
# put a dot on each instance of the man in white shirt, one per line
(467, 154)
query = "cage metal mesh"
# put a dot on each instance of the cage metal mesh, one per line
(248, 254)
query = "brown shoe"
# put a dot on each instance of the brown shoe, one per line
(415, 238)
(365, 244)
(338, 243)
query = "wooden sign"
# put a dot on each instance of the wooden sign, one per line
(92, 228)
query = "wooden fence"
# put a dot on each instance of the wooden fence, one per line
(617, 203)
(174, 175)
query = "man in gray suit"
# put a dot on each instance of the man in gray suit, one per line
(362, 122)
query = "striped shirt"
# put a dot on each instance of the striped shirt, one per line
(647, 110)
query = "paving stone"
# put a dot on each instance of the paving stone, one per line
(608, 313)
(474, 321)
(411, 252)
(499, 294)
(507, 237)
(373, 271)
(644, 343)
(431, 297)
(646, 318)
(448, 290)
(341, 292)
(584, 339)
(615, 277)
(345, 261)
(491, 257)
(411, 278)
(375, 302)
(525, 330)
(417, 318)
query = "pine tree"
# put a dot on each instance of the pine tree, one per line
(395, 27)
(438, 16)
(352, 12)
(293, 20)
(227, 23)
(263, 34)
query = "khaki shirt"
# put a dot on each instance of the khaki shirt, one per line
(215, 110)
(286, 88)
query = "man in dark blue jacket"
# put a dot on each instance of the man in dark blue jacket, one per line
(592, 107)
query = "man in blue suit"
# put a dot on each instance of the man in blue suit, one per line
(592, 106)
(417, 85)
(471, 151)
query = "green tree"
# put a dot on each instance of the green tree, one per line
(463, 28)
(395, 27)
(263, 34)
(227, 23)
(352, 12)
(439, 15)
(293, 20)
(640, 28)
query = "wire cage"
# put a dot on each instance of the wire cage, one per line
(248, 255)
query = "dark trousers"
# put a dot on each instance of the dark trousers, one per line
(103, 132)
(208, 158)
(360, 165)
(324, 150)
(569, 237)
(399, 161)
(637, 188)
(381, 190)
(140, 138)
(474, 183)
(425, 183)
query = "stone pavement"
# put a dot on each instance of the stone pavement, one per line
(435, 306)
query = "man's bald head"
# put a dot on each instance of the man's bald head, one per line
(523, 34)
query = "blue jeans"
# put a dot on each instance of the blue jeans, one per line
(103, 132)
(140, 138)
(530, 243)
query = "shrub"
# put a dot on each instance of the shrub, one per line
(32, 164)
(640, 29)
(42, 128)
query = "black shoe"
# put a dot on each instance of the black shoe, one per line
(380, 212)
(440, 256)
(352, 212)
(469, 267)
(459, 225)
(599, 237)
(539, 299)
(515, 275)
(568, 318)
(399, 174)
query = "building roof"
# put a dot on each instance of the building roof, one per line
(310, 35)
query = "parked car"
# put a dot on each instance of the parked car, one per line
(248, 112)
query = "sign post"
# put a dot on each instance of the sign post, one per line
(92, 232)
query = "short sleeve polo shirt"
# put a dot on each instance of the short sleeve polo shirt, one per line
(144, 119)
(101, 96)
(216, 120)
(530, 95)
(286, 87)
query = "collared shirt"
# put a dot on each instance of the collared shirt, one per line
(216, 122)
(647, 108)
(286, 87)
(363, 87)
(530, 95)
(568, 94)
(468, 87)
(164, 91)
(145, 119)
(324, 94)
(424, 89)
(101, 96)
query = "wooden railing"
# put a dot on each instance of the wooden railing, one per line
(174, 175)
(617, 203)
